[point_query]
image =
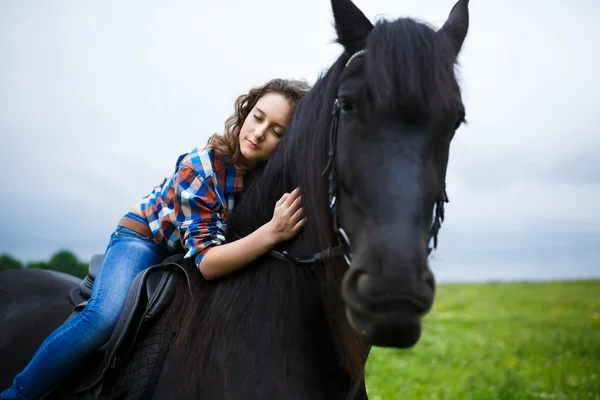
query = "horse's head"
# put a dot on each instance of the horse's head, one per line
(399, 107)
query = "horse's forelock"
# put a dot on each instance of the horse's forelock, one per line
(410, 67)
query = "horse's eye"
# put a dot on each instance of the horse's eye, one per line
(346, 105)
(459, 121)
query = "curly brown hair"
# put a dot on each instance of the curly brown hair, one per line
(227, 144)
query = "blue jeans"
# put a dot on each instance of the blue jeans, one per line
(127, 254)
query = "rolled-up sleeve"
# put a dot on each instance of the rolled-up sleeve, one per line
(200, 211)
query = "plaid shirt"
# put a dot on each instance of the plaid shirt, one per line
(190, 209)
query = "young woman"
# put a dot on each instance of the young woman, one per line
(187, 212)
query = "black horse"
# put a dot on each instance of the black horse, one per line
(368, 146)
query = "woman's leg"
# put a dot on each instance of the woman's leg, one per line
(128, 253)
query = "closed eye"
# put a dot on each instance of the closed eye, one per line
(277, 133)
(259, 119)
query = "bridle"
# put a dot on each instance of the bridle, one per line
(344, 247)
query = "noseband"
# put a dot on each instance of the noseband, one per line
(344, 247)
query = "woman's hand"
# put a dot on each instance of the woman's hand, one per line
(229, 257)
(288, 217)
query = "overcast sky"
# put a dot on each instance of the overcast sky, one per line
(99, 98)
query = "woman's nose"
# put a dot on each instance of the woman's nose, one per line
(260, 131)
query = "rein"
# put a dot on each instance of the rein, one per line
(344, 247)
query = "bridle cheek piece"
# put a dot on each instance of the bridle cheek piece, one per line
(344, 247)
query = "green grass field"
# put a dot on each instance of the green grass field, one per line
(499, 341)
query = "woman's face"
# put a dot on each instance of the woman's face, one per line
(264, 127)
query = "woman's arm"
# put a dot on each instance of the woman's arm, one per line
(229, 257)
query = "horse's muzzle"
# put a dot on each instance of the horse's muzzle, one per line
(387, 311)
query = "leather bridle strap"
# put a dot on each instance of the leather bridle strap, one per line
(344, 247)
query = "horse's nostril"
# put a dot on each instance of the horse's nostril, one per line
(369, 286)
(356, 288)
(363, 282)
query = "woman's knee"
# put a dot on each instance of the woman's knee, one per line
(100, 320)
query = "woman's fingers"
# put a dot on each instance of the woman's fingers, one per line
(299, 225)
(295, 206)
(282, 199)
(297, 216)
(292, 197)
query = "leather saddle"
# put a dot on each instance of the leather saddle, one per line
(151, 292)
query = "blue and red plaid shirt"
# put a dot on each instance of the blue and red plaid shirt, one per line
(190, 209)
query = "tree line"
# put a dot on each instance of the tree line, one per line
(63, 261)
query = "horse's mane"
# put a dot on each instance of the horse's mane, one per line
(285, 300)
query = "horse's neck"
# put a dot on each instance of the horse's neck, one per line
(273, 334)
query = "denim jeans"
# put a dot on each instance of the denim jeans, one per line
(127, 254)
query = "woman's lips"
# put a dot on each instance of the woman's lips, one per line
(254, 146)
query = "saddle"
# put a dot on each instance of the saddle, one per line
(130, 348)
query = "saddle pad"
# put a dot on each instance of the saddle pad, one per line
(136, 379)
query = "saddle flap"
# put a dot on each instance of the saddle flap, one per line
(160, 290)
(150, 293)
(130, 319)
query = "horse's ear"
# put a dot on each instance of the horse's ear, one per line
(456, 26)
(351, 25)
